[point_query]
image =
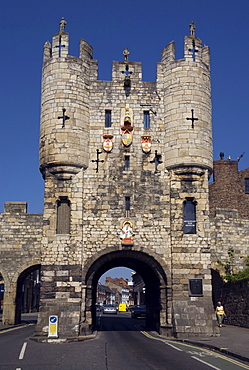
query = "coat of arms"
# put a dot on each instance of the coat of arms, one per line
(107, 142)
(127, 129)
(146, 143)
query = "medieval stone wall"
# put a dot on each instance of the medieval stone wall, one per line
(20, 239)
(235, 298)
(20, 248)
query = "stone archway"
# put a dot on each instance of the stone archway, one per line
(1, 291)
(19, 293)
(158, 294)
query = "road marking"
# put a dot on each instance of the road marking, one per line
(206, 363)
(23, 350)
(15, 328)
(171, 345)
(215, 354)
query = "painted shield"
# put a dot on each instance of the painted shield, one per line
(107, 142)
(146, 143)
(126, 139)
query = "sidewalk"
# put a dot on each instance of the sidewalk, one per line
(233, 341)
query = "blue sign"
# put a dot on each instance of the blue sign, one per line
(53, 319)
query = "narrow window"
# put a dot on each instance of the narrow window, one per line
(189, 212)
(247, 186)
(127, 162)
(63, 216)
(195, 287)
(146, 119)
(127, 206)
(108, 118)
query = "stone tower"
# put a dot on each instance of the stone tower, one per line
(64, 154)
(188, 158)
(126, 166)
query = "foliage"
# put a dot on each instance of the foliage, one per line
(229, 275)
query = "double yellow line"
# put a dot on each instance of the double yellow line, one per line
(15, 328)
(244, 366)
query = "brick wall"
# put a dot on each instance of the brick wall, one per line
(228, 188)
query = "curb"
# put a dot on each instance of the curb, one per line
(80, 338)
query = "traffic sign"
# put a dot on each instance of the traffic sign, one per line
(53, 326)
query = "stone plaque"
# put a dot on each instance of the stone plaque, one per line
(195, 288)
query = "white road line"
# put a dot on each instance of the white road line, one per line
(23, 351)
(171, 345)
(206, 363)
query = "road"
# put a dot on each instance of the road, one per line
(121, 343)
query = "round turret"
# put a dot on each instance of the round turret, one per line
(64, 128)
(187, 101)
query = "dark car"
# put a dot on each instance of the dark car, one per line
(110, 309)
(138, 311)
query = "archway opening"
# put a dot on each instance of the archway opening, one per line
(115, 287)
(28, 292)
(149, 270)
(217, 287)
(1, 292)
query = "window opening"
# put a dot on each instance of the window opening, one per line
(189, 211)
(127, 162)
(63, 216)
(247, 186)
(127, 206)
(108, 118)
(146, 119)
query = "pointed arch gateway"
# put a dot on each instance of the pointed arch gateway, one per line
(153, 273)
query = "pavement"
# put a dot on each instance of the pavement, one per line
(233, 340)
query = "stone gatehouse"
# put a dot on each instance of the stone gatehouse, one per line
(126, 165)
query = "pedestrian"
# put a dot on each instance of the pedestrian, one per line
(220, 313)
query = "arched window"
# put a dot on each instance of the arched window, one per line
(63, 216)
(189, 214)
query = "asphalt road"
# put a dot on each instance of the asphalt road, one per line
(121, 344)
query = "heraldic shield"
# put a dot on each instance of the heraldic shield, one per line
(146, 143)
(107, 142)
(127, 129)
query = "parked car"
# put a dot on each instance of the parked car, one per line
(138, 311)
(110, 309)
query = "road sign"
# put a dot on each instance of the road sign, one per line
(53, 326)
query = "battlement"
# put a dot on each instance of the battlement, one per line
(15, 207)
(193, 52)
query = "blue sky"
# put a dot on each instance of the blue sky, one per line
(145, 27)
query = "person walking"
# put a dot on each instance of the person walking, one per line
(220, 314)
